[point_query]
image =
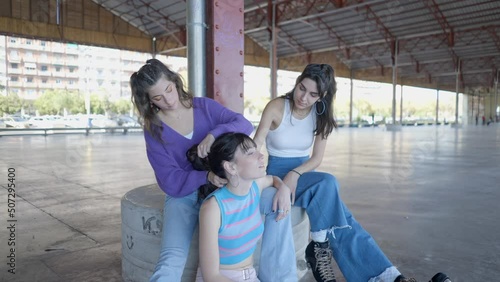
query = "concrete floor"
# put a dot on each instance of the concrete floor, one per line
(428, 195)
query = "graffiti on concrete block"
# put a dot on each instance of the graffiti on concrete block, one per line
(130, 242)
(154, 228)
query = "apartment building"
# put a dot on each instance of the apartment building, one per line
(29, 67)
(3, 66)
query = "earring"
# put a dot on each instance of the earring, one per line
(324, 107)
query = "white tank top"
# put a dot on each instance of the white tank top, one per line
(293, 137)
(189, 135)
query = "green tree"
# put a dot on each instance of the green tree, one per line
(254, 107)
(28, 106)
(99, 104)
(363, 106)
(77, 105)
(121, 106)
(10, 104)
(53, 102)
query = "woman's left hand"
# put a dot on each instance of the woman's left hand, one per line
(215, 180)
(204, 146)
(281, 202)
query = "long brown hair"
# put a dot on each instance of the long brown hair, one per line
(324, 76)
(141, 82)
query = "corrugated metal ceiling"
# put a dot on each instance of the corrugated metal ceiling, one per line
(435, 37)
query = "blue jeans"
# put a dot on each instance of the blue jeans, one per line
(355, 251)
(180, 219)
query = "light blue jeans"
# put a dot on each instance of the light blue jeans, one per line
(355, 251)
(180, 219)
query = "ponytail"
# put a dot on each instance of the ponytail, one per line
(200, 164)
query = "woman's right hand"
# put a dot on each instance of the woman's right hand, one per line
(204, 146)
(282, 203)
(291, 180)
(215, 180)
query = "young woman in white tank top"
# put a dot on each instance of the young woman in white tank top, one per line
(291, 126)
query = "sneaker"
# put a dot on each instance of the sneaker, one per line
(401, 278)
(319, 260)
(440, 277)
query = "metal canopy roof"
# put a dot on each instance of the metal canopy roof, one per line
(435, 38)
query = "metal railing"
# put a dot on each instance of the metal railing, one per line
(67, 130)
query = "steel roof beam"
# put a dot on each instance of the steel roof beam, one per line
(494, 36)
(401, 38)
(390, 38)
(425, 24)
(261, 5)
(443, 22)
(419, 25)
(341, 43)
(154, 20)
(408, 64)
(172, 50)
(327, 13)
(446, 74)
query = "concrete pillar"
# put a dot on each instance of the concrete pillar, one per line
(350, 99)
(456, 90)
(273, 56)
(472, 110)
(496, 95)
(394, 126)
(394, 80)
(478, 104)
(401, 106)
(437, 106)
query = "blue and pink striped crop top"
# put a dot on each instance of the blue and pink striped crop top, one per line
(241, 224)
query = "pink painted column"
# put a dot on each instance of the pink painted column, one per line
(225, 52)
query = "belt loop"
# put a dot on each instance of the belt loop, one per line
(246, 274)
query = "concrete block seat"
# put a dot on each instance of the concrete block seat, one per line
(142, 213)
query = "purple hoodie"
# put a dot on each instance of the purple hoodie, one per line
(173, 171)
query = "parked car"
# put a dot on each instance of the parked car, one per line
(126, 121)
(16, 122)
(75, 121)
(40, 122)
(2, 123)
(102, 121)
(46, 121)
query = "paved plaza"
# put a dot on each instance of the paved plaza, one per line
(428, 195)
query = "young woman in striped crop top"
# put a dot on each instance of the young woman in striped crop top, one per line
(230, 219)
